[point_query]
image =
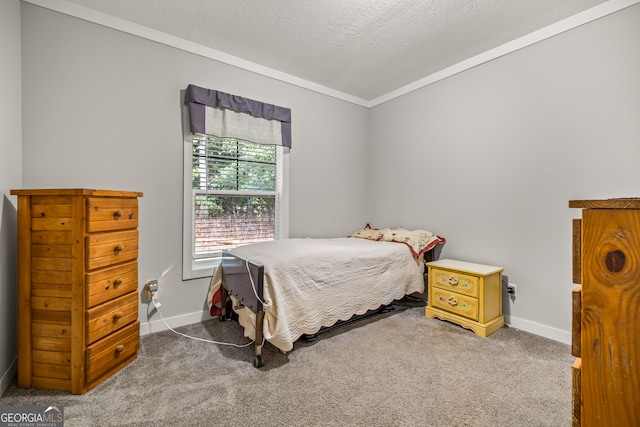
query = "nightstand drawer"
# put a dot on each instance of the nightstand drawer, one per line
(456, 282)
(112, 351)
(455, 303)
(106, 214)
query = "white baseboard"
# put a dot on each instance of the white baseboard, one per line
(539, 329)
(8, 376)
(175, 322)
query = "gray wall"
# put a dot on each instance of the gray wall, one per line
(10, 166)
(489, 158)
(104, 111)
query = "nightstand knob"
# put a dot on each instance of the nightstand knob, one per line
(453, 280)
(453, 301)
(117, 214)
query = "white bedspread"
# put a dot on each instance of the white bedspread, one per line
(311, 283)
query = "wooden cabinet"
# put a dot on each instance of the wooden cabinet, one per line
(467, 294)
(77, 286)
(606, 313)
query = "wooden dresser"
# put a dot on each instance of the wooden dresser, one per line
(606, 313)
(467, 294)
(77, 286)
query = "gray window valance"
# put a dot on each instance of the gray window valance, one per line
(220, 114)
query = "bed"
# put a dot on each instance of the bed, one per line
(282, 290)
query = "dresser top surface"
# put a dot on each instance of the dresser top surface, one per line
(621, 203)
(464, 266)
(74, 192)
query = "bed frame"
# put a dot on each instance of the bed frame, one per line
(244, 279)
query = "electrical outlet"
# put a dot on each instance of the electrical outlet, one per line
(152, 286)
(511, 289)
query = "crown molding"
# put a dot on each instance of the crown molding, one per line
(559, 27)
(87, 14)
(100, 18)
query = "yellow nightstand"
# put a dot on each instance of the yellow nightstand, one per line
(467, 294)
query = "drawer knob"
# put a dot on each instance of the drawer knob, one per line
(117, 316)
(117, 214)
(453, 301)
(453, 280)
(118, 248)
(120, 348)
(118, 281)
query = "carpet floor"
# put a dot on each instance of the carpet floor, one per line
(394, 369)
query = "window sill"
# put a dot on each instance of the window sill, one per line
(200, 268)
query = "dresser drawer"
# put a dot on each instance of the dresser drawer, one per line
(105, 249)
(457, 282)
(109, 283)
(106, 214)
(111, 316)
(112, 351)
(455, 303)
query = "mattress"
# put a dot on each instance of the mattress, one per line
(311, 283)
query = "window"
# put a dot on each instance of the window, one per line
(234, 192)
(235, 197)
(235, 175)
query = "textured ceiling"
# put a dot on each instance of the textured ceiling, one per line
(364, 48)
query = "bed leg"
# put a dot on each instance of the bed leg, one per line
(224, 295)
(257, 360)
(386, 308)
(309, 337)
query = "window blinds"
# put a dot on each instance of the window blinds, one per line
(235, 193)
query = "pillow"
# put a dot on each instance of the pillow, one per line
(418, 241)
(369, 233)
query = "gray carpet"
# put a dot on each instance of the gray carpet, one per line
(396, 369)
